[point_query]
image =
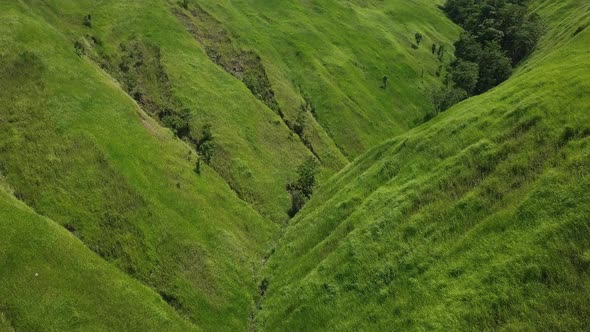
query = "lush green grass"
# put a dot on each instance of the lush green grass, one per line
(50, 281)
(77, 149)
(475, 220)
(337, 52)
(333, 56)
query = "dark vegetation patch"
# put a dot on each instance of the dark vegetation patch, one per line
(579, 29)
(244, 65)
(300, 126)
(171, 299)
(302, 189)
(497, 36)
(139, 69)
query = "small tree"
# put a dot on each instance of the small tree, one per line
(205, 144)
(198, 166)
(419, 38)
(384, 84)
(88, 21)
(441, 52)
(465, 74)
(302, 189)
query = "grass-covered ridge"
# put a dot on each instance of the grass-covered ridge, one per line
(78, 150)
(50, 281)
(477, 219)
(336, 53)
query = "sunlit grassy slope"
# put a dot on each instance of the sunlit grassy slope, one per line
(81, 153)
(50, 281)
(337, 52)
(474, 220)
(76, 149)
(478, 219)
(331, 56)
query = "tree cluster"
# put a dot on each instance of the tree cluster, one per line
(498, 34)
(302, 189)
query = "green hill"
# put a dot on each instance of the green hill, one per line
(477, 219)
(51, 281)
(146, 146)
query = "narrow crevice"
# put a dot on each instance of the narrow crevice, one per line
(244, 65)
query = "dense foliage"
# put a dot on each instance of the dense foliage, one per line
(498, 35)
(302, 189)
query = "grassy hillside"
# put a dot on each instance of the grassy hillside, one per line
(276, 83)
(50, 281)
(112, 216)
(477, 219)
(78, 150)
(88, 88)
(336, 53)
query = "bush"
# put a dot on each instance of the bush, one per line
(178, 123)
(88, 21)
(302, 189)
(79, 48)
(205, 144)
(418, 36)
(445, 97)
(465, 74)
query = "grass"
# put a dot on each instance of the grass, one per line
(332, 61)
(78, 150)
(475, 220)
(336, 54)
(53, 282)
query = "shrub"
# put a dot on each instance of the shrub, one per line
(384, 82)
(445, 97)
(418, 36)
(79, 48)
(88, 21)
(465, 74)
(205, 144)
(302, 189)
(178, 123)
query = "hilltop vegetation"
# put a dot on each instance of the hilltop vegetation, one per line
(497, 36)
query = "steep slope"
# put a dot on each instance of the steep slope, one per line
(78, 150)
(277, 84)
(86, 89)
(475, 220)
(336, 53)
(50, 281)
(256, 152)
